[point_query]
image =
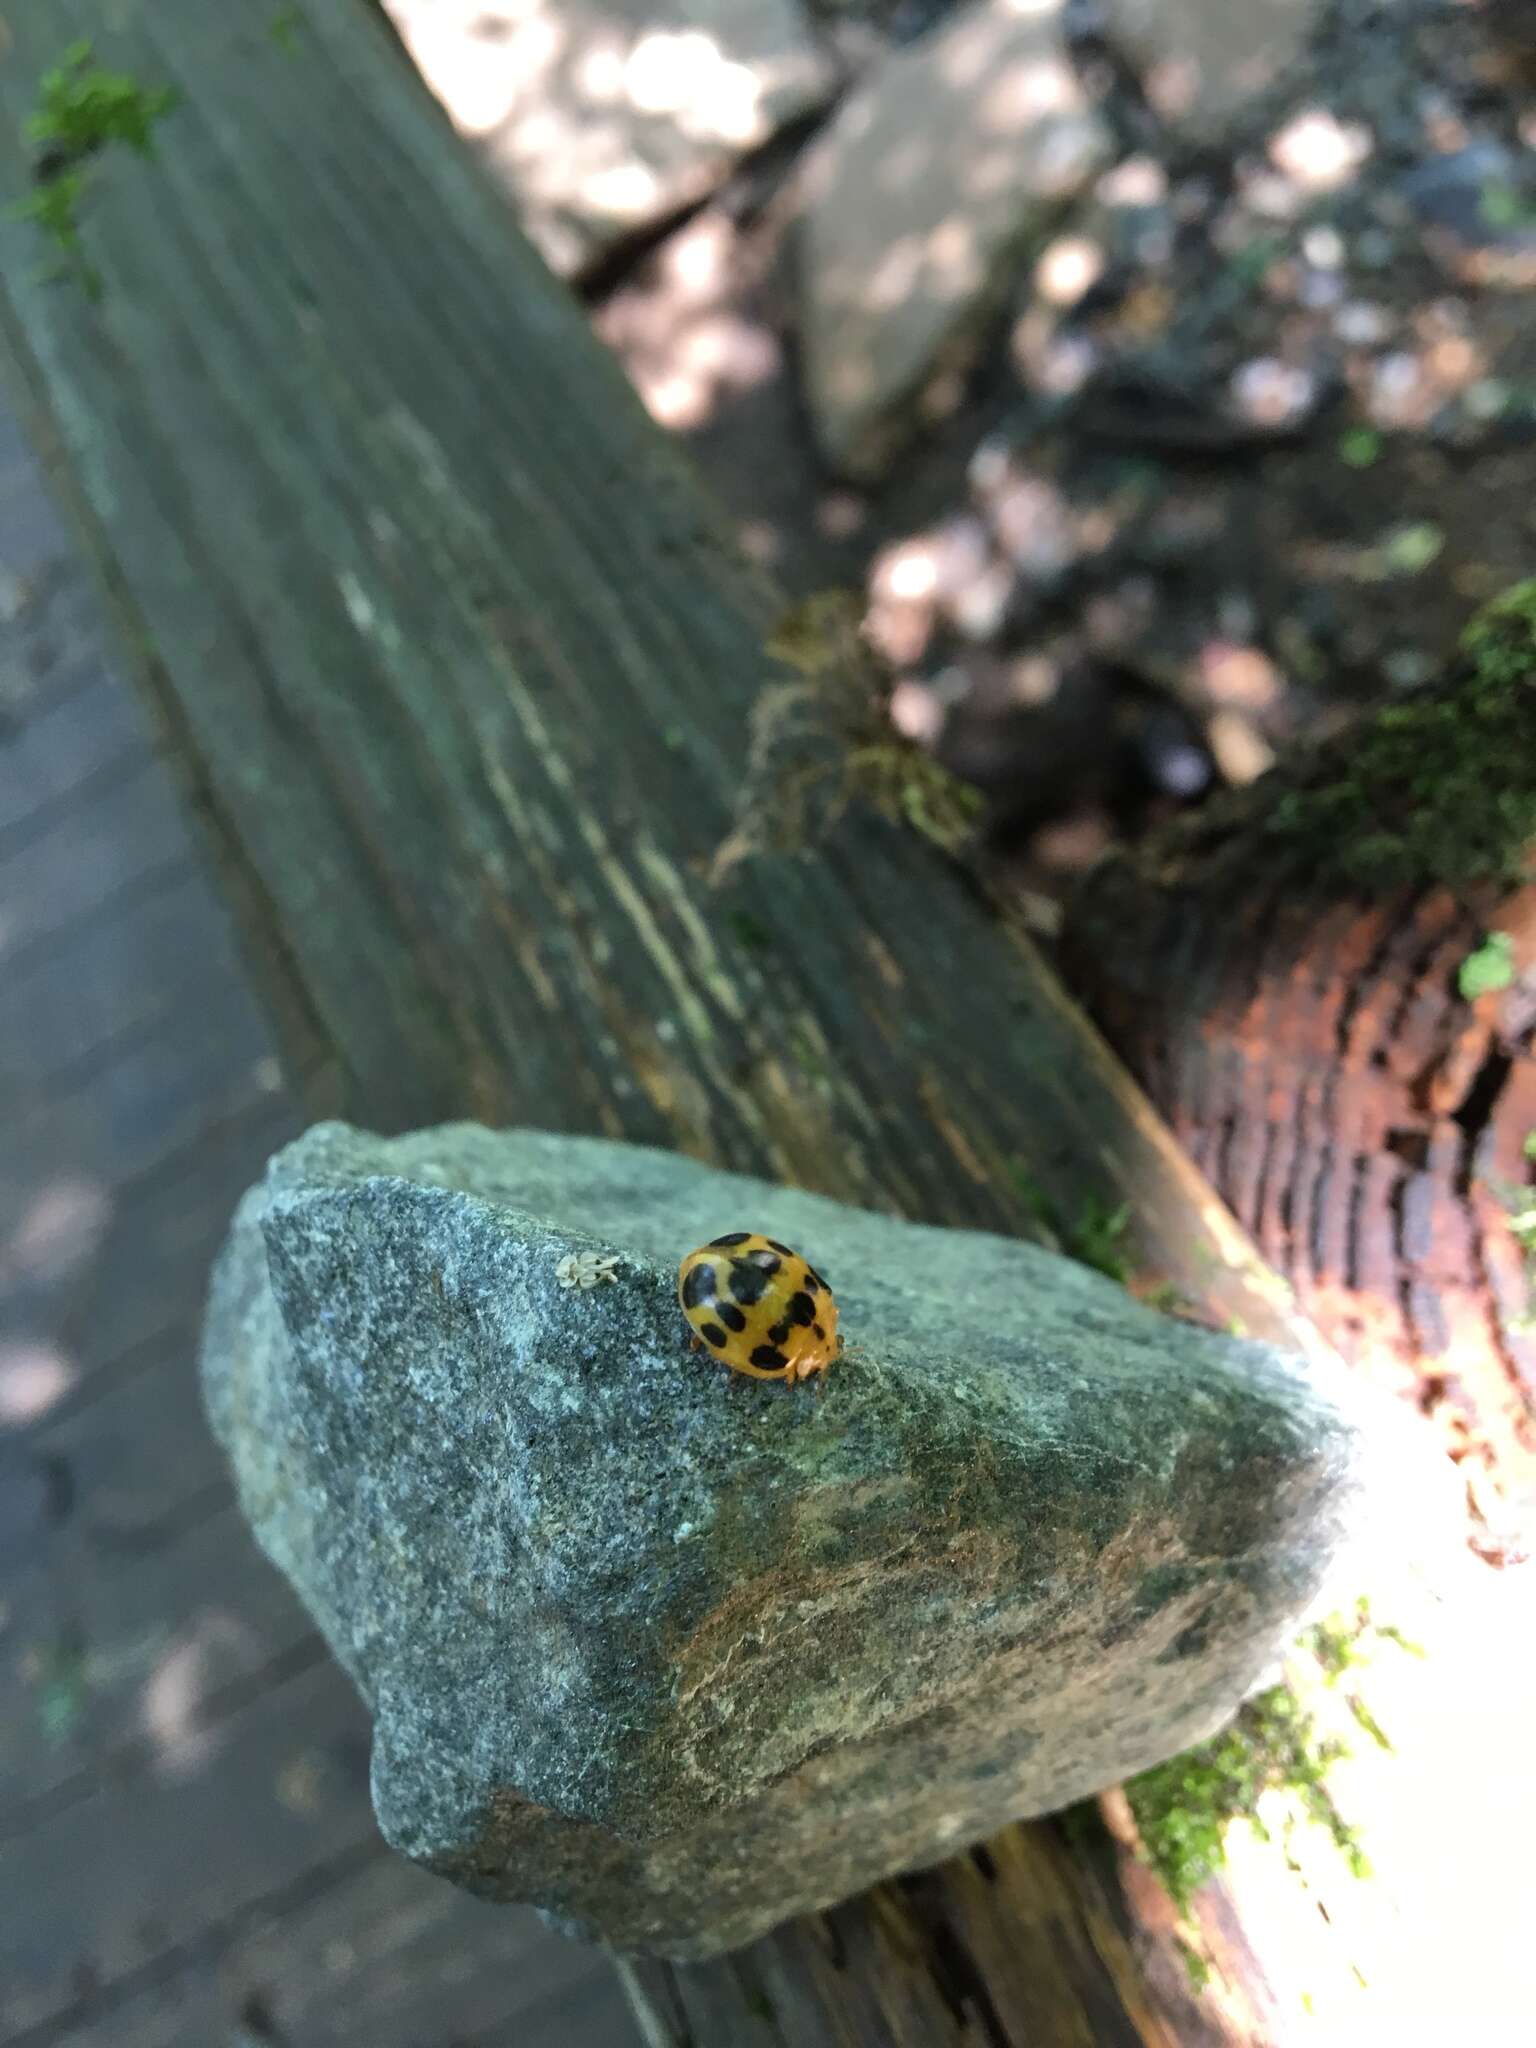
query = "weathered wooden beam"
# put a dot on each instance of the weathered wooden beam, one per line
(457, 666)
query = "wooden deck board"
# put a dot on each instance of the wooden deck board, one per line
(103, 1635)
(70, 750)
(130, 832)
(151, 1861)
(186, 1844)
(385, 1955)
(60, 1025)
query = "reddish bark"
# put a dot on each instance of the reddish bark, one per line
(1313, 1053)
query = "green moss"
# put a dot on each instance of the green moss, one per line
(82, 110)
(1488, 968)
(1439, 787)
(54, 208)
(1359, 447)
(823, 742)
(1095, 1237)
(750, 931)
(59, 1671)
(1184, 1808)
(1167, 1299)
(284, 29)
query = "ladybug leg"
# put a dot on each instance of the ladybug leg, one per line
(695, 1343)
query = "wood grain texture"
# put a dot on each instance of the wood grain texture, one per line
(458, 669)
(1312, 1050)
(140, 1628)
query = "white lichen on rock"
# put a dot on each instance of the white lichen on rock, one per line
(588, 1269)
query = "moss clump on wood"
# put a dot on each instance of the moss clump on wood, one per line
(1096, 1236)
(1440, 787)
(825, 741)
(83, 109)
(1185, 1807)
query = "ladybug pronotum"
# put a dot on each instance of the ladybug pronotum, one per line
(759, 1307)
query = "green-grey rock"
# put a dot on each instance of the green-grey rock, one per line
(675, 1653)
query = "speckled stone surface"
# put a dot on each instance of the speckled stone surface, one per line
(675, 1654)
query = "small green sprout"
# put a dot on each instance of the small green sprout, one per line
(1503, 206)
(1097, 1238)
(1489, 968)
(1410, 549)
(82, 110)
(284, 28)
(55, 207)
(750, 931)
(1094, 1237)
(63, 1689)
(1359, 447)
(1167, 1299)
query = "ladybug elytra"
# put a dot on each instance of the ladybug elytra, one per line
(759, 1307)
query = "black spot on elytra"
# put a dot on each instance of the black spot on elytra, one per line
(731, 1316)
(813, 1285)
(783, 1250)
(820, 1332)
(713, 1334)
(749, 1278)
(766, 1359)
(813, 1276)
(802, 1310)
(731, 1237)
(699, 1286)
(779, 1333)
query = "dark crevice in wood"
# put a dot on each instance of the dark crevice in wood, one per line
(663, 1988)
(1397, 1196)
(1356, 989)
(1221, 1167)
(1475, 1112)
(1409, 979)
(744, 1968)
(1411, 1146)
(1329, 1169)
(1261, 1191)
(832, 1939)
(960, 1981)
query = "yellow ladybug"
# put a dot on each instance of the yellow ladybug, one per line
(759, 1307)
